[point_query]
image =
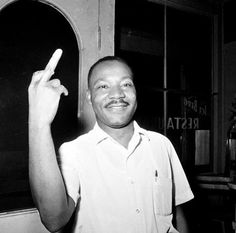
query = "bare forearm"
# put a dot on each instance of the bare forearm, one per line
(181, 222)
(46, 181)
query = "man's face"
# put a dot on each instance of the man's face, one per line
(112, 94)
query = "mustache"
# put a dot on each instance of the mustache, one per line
(115, 102)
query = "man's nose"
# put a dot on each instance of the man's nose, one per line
(116, 92)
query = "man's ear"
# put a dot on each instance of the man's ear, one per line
(88, 95)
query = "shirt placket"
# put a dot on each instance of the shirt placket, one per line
(137, 206)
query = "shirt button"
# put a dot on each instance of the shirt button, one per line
(131, 180)
(137, 211)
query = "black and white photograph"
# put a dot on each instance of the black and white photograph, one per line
(117, 116)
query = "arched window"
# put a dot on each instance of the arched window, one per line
(30, 32)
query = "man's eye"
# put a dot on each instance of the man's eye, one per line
(128, 84)
(102, 87)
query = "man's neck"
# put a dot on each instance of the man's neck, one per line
(121, 135)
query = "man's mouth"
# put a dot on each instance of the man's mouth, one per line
(117, 104)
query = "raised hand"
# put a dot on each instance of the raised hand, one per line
(44, 94)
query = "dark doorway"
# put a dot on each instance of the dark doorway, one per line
(30, 32)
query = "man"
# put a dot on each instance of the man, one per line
(119, 177)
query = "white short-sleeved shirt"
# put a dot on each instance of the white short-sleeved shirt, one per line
(123, 190)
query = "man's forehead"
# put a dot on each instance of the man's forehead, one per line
(104, 66)
(111, 63)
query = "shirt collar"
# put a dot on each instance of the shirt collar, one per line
(99, 135)
(140, 130)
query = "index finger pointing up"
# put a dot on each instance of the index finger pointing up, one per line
(52, 64)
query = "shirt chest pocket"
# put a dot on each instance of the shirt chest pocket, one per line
(162, 196)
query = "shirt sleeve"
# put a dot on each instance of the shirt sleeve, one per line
(69, 171)
(182, 190)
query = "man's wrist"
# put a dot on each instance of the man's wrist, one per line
(38, 125)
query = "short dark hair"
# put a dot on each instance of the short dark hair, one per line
(104, 59)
